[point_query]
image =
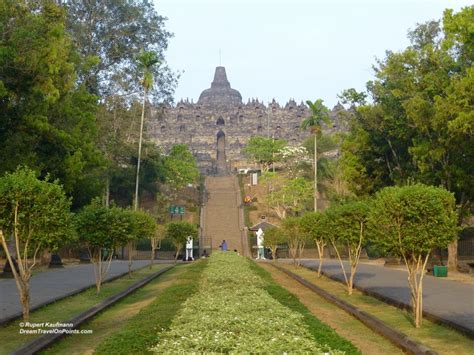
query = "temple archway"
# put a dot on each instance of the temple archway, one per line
(221, 159)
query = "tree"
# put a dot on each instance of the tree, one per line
(177, 232)
(312, 226)
(409, 222)
(420, 124)
(155, 241)
(263, 151)
(294, 238)
(146, 61)
(180, 167)
(144, 228)
(319, 115)
(292, 196)
(273, 239)
(101, 230)
(292, 159)
(108, 34)
(34, 215)
(48, 122)
(346, 227)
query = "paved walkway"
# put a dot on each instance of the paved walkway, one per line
(55, 283)
(449, 300)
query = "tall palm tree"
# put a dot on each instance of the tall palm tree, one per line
(319, 115)
(146, 60)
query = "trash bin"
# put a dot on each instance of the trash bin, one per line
(440, 271)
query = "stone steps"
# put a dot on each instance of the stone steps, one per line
(222, 212)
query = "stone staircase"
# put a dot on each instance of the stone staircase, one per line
(223, 217)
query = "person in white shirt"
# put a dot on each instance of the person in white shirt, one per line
(189, 248)
(260, 246)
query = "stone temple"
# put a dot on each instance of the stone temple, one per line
(218, 126)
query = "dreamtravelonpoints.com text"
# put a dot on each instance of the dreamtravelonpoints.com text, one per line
(50, 328)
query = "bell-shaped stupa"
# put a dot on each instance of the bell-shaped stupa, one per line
(220, 93)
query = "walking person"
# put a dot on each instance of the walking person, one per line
(223, 245)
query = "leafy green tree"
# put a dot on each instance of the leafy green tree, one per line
(48, 122)
(312, 227)
(101, 230)
(346, 226)
(273, 238)
(144, 227)
(34, 215)
(180, 167)
(420, 124)
(177, 232)
(291, 197)
(409, 222)
(263, 151)
(108, 34)
(319, 115)
(294, 238)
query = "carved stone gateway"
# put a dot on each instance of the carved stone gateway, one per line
(218, 126)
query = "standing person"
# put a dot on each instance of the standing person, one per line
(260, 246)
(189, 248)
(223, 246)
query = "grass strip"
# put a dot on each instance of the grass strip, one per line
(10, 337)
(439, 338)
(367, 341)
(140, 333)
(233, 313)
(321, 332)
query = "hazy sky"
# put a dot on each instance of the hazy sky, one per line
(286, 49)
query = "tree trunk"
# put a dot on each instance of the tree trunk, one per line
(98, 278)
(107, 191)
(320, 247)
(152, 256)
(131, 247)
(350, 286)
(342, 265)
(20, 276)
(178, 249)
(140, 150)
(453, 256)
(315, 172)
(25, 299)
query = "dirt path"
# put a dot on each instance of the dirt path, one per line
(345, 325)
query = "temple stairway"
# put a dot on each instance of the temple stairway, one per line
(223, 215)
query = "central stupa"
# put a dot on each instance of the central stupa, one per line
(220, 93)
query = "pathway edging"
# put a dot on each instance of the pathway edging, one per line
(398, 338)
(393, 302)
(18, 315)
(47, 340)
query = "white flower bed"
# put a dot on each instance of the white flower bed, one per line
(232, 313)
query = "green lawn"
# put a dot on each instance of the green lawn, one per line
(239, 309)
(320, 331)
